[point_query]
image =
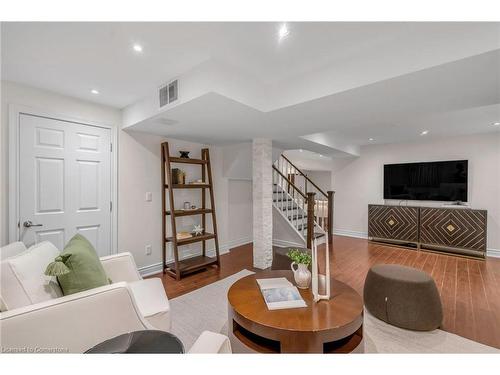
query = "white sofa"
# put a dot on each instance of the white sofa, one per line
(77, 322)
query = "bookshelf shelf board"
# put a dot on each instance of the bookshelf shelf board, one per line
(187, 160)
(193, 239)
(198, 211)
(191, 264)
(190, 186)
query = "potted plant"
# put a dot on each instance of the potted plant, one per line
(301, 274)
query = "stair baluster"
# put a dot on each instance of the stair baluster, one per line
(307, 208)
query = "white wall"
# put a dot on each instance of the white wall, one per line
(240, 211)
(321, 178)
(237, 163)
(283, 234)
(139, 222)
(358, 182)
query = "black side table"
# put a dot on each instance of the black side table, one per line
(148, 341)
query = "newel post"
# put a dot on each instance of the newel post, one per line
(330, 216)
(310, 218)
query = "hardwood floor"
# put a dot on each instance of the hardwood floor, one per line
(469, 288)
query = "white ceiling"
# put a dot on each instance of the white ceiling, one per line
(73, 58)
(327, 87)
(309, 161)
(460, 97)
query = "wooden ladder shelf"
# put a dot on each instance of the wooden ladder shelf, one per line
(180, 267)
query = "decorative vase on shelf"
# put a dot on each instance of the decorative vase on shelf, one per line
(301, 275)
(178, 176)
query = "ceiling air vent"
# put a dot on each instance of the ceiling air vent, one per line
(168, 93)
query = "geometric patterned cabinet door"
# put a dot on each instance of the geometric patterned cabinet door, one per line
(393, 223)
(460, 230)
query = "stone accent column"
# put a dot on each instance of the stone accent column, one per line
(262, 151)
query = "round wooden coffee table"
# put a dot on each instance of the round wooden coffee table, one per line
(333, 326)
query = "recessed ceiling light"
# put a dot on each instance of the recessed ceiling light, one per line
(283, 31)
(496, 124)
(370, 139)
(424, 132)
(137, 48)
(320, 155)
(301, 150)
(94, 91)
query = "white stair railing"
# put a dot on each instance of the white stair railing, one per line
(294, 182)
(290, 203)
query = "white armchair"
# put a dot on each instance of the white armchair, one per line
(77, 322)
(149, 294)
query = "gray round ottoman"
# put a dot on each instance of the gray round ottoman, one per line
(403, 296)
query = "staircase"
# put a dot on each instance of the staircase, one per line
(305, 206)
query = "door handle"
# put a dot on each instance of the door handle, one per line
(28, 224)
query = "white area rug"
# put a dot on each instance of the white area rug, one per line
(206, 309)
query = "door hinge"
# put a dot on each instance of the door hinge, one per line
(110, 206)
(111, 147)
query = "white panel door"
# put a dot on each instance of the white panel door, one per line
(65, 182)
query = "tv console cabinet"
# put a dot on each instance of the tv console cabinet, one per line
(453, 230)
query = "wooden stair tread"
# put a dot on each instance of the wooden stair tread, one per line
(193, 239)
(297, 217)
(192, 264)
(187, 160)
(198, 211)
(282, 200)
(290, 208)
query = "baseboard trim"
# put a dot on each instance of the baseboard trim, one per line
(155, 268)
(494, 253)
(350, 233)
(237, 242)
(150, 270)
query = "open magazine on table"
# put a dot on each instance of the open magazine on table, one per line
(279, 293)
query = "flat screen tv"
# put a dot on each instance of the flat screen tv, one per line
(430, 181)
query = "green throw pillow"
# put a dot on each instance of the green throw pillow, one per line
(78, 267)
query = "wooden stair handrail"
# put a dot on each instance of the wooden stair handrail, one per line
(290, 183)
(305, 176)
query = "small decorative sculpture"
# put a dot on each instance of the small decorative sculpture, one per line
(184, 154)
(197, 230)
(318, 279)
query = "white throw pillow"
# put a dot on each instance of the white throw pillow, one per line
(8, 251)
(12, 249)
(12, 292)
(28, 269)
